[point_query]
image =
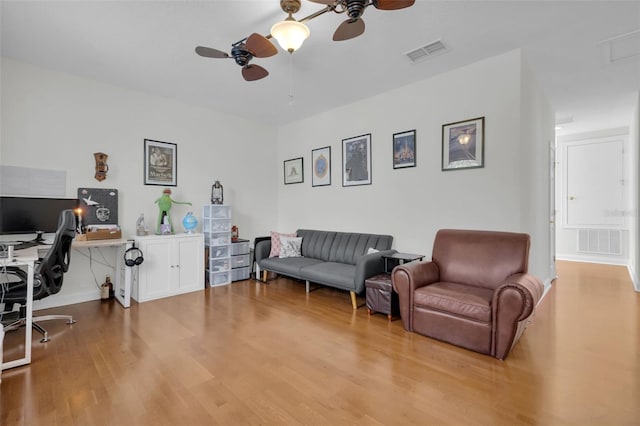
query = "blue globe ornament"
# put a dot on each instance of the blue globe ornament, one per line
(189, 222)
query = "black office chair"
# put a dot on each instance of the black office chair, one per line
(47, 279)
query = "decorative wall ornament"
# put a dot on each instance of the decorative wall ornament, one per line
(101, 166)
(321, 166)
(293, 171)
(356, 160)
(463, 144)
(160, 163)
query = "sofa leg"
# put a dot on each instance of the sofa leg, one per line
(264, 275)
(354, 302)
(307, 286)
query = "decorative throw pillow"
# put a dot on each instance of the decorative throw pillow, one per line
(291, 247)
(276, 244)
(372, 250)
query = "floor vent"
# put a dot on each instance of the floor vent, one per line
(600, 241)
(424, 52)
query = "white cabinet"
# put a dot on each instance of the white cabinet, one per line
(173, 264)
(216, 226)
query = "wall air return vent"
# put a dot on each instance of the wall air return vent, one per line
(427, 51)
(600, 241)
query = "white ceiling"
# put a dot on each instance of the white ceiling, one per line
(149, 46)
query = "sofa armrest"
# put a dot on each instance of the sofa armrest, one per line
(406, 279)
(368, 266)
(513, 303)
(262, 250)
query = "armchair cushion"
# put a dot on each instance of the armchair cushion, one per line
(459, 299)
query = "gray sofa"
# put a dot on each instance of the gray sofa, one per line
(335, 259)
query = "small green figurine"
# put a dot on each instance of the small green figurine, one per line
(164, 202)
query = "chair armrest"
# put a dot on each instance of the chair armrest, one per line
(406, 279)
(513, 302)
(368, 266)
(262, 250)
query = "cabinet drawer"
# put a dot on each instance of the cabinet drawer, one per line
(214, 239)
(240, 248)
(218, 265)
(219, 278)
(240, 261)
(218, 251)
(240, 274)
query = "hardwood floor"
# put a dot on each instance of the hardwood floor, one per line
(251, 353)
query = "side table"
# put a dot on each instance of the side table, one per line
(393, 260)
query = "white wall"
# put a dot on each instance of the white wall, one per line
(634, 191)
(537, 134)
(411, 204)
(53, 120)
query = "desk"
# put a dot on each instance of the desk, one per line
(27, 258)
(122, 290)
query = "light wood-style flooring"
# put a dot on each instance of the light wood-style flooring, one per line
(256, 354)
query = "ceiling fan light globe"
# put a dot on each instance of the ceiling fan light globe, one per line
(290, 34)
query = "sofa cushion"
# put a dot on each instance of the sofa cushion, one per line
(291, 247)
(341, 247)
(336, 274)
(288, 266)
(276, 244)
(458, 299)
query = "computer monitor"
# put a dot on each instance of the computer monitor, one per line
(26, 215)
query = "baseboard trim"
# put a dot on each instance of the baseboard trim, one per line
(634, 278)
(59, 300)
(591, 259)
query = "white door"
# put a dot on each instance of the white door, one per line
(595, 184)
(552, 208)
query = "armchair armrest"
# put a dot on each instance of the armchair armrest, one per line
(368, 266)
(406, 279)
(513, 303)
(262, 250)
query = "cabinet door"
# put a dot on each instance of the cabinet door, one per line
(190, 255)
(155, 273)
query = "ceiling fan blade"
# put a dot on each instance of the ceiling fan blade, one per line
(260, 47)
(208, 52)
(254, 72)
(392, 4)
(349, 29)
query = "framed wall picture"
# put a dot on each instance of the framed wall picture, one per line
(356, 160)
(293, 171)
(404, 149)
(321, 164)
(463, 144)
(160, 163)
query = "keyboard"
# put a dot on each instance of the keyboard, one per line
(25, 245)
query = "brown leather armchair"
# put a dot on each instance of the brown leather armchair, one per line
(474, 293)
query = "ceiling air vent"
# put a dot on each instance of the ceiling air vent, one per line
(424, 52)
(623, 46)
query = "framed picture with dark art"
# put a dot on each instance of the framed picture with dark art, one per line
(293, 171)
(321, 164)
(463, 144)
(404, 149)
(356, 160)
(160, 163)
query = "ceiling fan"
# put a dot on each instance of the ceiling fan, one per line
(354, 26)
(258, 46)
(242, 52)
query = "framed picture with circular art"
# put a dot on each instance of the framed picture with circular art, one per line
(321, 163)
